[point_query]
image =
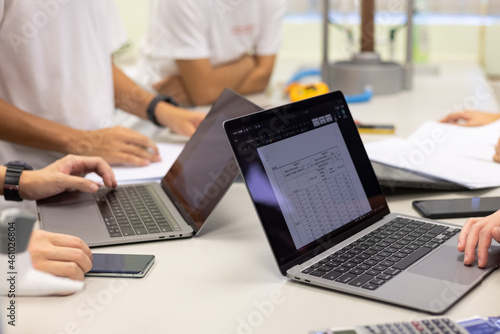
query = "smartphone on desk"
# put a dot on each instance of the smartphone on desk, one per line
(458, 207)
(120, 265)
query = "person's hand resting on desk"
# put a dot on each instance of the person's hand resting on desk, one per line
(179, 120)
(471, 118)
(59, 254)
(117, 145)
(478, 233)
(120, 145)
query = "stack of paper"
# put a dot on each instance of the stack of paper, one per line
(155, 171)
(463, 155)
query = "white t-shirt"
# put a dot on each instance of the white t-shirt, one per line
(55, 62)
(198, 29)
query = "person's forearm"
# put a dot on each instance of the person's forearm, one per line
(205, 83)
(129, 96)
(23, 128)
(133, 99)
(258, 79)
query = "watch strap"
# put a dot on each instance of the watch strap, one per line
(11, 182)
(154, 102)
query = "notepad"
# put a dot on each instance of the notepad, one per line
(154, 171)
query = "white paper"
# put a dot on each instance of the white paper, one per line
(156, 170)
(463, 155)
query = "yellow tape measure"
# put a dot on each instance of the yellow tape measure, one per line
(299, 92)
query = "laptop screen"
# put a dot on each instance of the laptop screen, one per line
(206, 168)
(307, 172)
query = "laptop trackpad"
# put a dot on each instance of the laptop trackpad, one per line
(447, 264)
(81, 219)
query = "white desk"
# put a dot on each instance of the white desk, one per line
(225, 280)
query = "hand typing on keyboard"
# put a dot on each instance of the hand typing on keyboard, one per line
(64, 174)
(478, 233)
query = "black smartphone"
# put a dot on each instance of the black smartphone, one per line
(121, 265)
(458, 207)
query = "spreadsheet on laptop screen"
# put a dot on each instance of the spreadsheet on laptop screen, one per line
(317, 191)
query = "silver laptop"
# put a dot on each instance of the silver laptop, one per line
(326, 218)
(175, 208)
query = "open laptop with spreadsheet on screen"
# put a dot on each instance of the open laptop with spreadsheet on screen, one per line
(176, 208)
(326, 218)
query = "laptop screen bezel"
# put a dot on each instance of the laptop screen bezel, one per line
(282, 114)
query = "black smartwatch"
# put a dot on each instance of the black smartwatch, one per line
(12, 176)
(154, 102)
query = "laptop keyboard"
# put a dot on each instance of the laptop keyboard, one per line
(133, 210)
(382, 254)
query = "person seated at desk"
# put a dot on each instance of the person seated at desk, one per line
(194, 49)
(59, 86)
(59, 254)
